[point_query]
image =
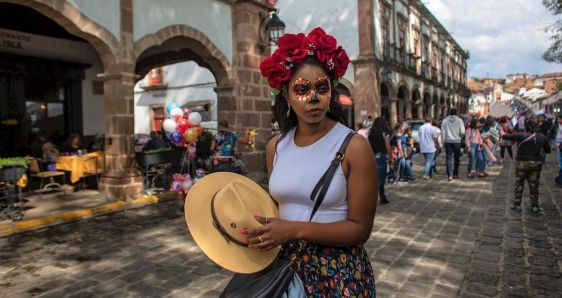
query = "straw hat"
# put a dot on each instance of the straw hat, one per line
(232, 200)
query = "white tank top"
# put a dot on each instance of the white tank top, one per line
(296, 170)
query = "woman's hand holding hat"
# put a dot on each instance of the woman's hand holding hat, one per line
(273, 232)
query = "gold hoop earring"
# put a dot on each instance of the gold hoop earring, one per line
(288, 111)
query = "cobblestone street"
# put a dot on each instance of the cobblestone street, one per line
(435, 239)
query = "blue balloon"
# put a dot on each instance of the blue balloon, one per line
(176, 137)
(171, 105)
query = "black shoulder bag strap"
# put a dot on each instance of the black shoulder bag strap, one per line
(323, 184)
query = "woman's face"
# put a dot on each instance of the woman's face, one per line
(309, 93)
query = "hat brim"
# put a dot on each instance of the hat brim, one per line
(199, 220)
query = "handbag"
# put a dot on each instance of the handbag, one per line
(279, 279)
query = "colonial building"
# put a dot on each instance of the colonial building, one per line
(405, 62)
(70, 66)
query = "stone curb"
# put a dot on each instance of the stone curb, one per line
(64, 217)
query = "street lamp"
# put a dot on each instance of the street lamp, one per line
(273, 27)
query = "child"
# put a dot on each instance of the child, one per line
(393, 165)
(410, 153)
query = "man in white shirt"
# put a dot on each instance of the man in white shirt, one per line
(428, 135)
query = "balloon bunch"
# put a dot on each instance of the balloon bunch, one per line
(183, 126)
(182, 183)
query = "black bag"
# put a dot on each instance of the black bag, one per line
(274, 280)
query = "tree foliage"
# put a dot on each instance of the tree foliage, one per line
(554, 52)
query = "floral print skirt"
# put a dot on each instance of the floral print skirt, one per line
(328, 271)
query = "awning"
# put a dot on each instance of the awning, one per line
(345, 100)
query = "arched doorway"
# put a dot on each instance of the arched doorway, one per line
(346, 102)
(442, 106)
(385, 101)
(416, 101)
(403, 99)
(434, 104)
(51, 91)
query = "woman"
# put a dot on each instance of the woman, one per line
(72, 145)
(473, 142)
(403, 169)
(379, 139)
(333, 260)
(505, 128)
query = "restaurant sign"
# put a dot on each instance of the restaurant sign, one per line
(13, 40)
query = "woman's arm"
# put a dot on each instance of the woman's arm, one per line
(387, 145)
(359, 167)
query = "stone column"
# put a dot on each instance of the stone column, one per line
(367, 99)
(250, 104)
(409, 109)
(420, 111)
(393, 111)
(122, 179)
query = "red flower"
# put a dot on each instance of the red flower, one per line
(341, 61)
(275, 72)
(293, 49)
(292, 46)
(325, 44)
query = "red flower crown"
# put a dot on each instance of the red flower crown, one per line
(293, 49)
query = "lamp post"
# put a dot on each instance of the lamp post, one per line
(271, 26)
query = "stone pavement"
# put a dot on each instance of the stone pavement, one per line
(436, 239)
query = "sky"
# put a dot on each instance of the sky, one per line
(502, 36)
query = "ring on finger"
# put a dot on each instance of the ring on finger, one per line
(266, 220)
(260, 238)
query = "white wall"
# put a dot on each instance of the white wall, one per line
(338, 18)
(107, 13)
(181, 78)
(26, 44)
(212, 18)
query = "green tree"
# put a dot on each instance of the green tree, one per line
(554, 52)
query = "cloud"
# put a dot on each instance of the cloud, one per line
(503, 36)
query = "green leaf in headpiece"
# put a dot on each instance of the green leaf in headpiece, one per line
(336, 83)
(264, 81)
(275, 91)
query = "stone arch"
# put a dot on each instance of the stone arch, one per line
(349, 85)
(387, 93)
(178, 43)
(416, 100)
(75, 22)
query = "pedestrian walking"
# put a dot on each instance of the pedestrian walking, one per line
(473, 142)
(453, 132)
(530, 146)
(555, 135)
(379, 139)
(302, 70)
(505, 145)
(428, 135)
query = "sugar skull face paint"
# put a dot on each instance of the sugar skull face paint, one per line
(304, 90)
